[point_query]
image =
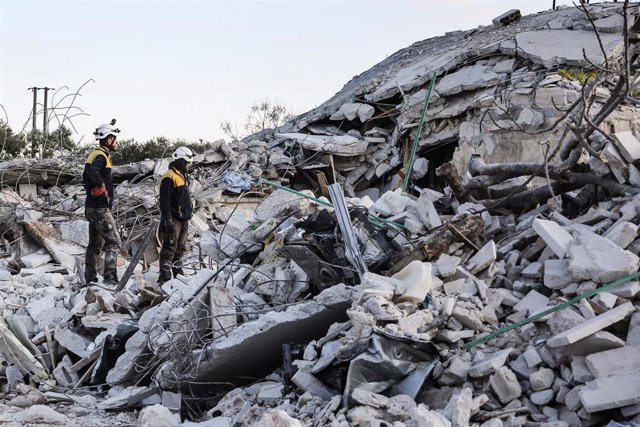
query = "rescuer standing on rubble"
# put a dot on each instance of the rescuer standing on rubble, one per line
(98, 184)
(176, 210)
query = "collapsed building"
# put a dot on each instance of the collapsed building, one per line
(451, 240)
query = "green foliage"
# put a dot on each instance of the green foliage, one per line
(34, 144)
(131, 151)
(12, 145)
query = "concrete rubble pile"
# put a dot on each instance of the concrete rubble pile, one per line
(497, 286)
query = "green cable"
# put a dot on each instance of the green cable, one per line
(414, 148)
(553, 309)
(373, 218)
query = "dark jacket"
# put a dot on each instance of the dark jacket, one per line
(97, 171)
(175, 201)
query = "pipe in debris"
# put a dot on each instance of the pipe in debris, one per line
(414, 148)
(558, 307)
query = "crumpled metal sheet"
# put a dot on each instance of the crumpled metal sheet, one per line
(383, 364)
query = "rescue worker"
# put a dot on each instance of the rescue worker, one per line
(98, 183)
(175, 212)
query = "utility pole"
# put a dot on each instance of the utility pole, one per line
(45, 119)
(33, 113)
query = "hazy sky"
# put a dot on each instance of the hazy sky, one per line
(179, 68)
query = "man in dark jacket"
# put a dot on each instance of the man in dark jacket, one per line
(176, 210)
(98, 183)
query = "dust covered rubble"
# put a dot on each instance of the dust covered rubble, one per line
(277, 323)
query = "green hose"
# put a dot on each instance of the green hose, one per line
(553, 309)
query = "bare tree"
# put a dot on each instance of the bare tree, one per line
(265, 114)
(577, 131)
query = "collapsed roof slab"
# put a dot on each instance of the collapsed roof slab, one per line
(254, 349)
(552, 48)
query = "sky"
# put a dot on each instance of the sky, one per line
(178, 69)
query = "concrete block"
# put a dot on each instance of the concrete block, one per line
(542, 397)
(505, 384)
(591, 326)
(596, 343)
(554, 235)
(447, 265)
(627, 290)
(308, 382)
(456, 373)
(533, 270)
(593, 257)
(605, 299)
(614, 391)
(490, 364)
(542, 379)
(617, 361)
(531, 302)
(633, 334)
(532, 357)
(557, 274)
(580, 370)
(483, 258)
(622, 234)
(628, 145)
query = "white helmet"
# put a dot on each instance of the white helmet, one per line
(105, 130)
(183, 153)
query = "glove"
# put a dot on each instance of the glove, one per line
(98, 190)
(167, 226)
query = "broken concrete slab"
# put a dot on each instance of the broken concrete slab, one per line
(612, 362)
(342, 145)
(628, 145)
(263, 338)
(554, 235)
(552, 48)
(591, 326)
(593, 257)
(505, 384)
(614, 391)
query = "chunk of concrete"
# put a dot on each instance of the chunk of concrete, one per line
(591, 326)
(532, 357)
(158, 416)
(254, 349)
(614, 391)
(554, 235)
(628, 145)
(353, 110)
(633, 334)
(125, 367)
(552, 48)
(43, 414)
(542, 397)
(490, 364)
(483, 258)
(532, 302)
(467, 78)
(309, 383)
(541, 379)
(593, 257)
(580, 370)
(447, 265)
(456, 373)
(617, 361)
(622, 234)
(505, 384)
(557, 274)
